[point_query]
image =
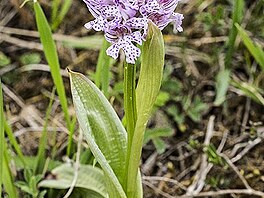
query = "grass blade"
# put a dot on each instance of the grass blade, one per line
(14, 142)
(236, 18)
(8, 182)
(53, 61)
(54, 10)
(2, 137)
(41, 158)
(255, 50)
(59, 17)
(222, 80)
(249, 90)
(102, 79)
(52, 57)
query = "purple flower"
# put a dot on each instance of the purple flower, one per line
(125, 22)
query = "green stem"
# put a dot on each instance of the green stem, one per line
(130, 108)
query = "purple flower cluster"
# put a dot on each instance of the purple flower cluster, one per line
(125, 22)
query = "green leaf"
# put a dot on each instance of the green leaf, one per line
(30, 58)
(102, 74)
(4, 60)
(27, 174)
(249, 90)
(89, 177)
(2, 137)
(13, 142)
(8, 181)
(146, 93)
(30, 161)
(222, 79)
(162, 99)
(89, 42)
(44, 139)
(156, 133)
(255, 50)
(222, 83)
(102, 129)
(237, 17)
(51, 55)
(159, 145)
(177, 115)
(24, 187)
(196, 109)
(5, 173)
(59, 17)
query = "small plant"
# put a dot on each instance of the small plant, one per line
(4, 60)
(30, 185)
(117, 148)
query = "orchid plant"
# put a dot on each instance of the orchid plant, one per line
(132, 27)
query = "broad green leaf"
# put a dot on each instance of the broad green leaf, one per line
(51, 55)
(102, 129)
(222, 83)
(146, 93)
(89, 177)
(255, 50)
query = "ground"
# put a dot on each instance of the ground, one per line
(213, 150)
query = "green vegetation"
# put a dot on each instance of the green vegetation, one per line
(214, 69)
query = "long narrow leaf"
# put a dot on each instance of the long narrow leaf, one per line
(222, 80)
(102, 79)
(148, 87)
(13, 142)
(2, 137)
(44, 139)
(53, 61)
(249, 90)
(51, 55)
(8, 181)
(59, 17)
(255, 50)
(102, 129)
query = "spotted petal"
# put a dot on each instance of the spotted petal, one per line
(176, 19)
(99, 24)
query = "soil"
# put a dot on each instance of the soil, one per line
(235, 129)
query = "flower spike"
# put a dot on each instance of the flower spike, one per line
(125, 22)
